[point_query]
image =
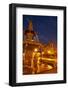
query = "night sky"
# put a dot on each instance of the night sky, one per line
(45, 26)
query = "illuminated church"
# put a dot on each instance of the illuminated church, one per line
(38, 58)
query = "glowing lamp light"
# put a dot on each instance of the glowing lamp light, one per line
(50, 52)
(35, 49)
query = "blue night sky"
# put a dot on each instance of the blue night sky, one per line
(45, 26)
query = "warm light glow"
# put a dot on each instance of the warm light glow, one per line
(50, 52)
(32, 40)
(38, 58)
(35, 49)
(50, 67)
(33, 54)
(42, 52)
(38, 54)
(49, 59)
